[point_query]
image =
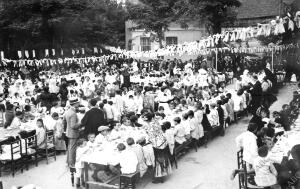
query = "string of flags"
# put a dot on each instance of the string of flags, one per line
(103, 59)
(26, 54)
(274, 27)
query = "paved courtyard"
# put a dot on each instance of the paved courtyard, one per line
(209, 168)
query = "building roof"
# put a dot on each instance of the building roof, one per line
(258, 8)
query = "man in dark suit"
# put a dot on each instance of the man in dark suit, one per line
(73, 128)
(93, 118)
(256, 94)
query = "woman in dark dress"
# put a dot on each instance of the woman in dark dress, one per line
(160, 146)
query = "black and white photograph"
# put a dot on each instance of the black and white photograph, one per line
(149, 94)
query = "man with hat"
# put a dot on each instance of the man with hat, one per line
(72, 132)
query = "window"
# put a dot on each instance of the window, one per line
(145, 44)
(129, 45)
(171, 41)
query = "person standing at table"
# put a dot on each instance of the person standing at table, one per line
(93, 118)
(256, 93)
(72, 132)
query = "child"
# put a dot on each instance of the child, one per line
(128, 160)
(40, 134)
(179, 132)
(197, 131)
(81, 151)
(169, 133)
(60, 144)
(265, 172)
(91, 140)
(186, 125)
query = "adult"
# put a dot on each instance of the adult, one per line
(73, 128)
(45, 98)
(160, 147)
(93, 118)
(256, 93)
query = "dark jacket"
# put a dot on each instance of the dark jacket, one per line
(93, 119)
(9, 116)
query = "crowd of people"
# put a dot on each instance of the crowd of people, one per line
(259, 142)
(142, 113)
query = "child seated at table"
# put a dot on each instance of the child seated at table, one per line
(40, 134)
(179, 132)
(128, 160)
(27, 113)
(91, 141)
(265, 172)
(81, 151)
(169, 133)
(186, 125)
(138, 150)
(148, 151)
(16, 122)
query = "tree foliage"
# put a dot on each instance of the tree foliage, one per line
(152, 15)
(41, 24)
(212, 13)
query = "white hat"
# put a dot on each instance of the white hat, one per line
(73, 101)
(103, 128)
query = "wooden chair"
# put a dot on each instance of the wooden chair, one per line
(49, 150)
(241, 165)
(244, 177)
(16, 162)
(129, 180)
(30, 150)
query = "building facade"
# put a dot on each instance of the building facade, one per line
(139, 40)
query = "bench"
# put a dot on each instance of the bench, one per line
(180, 148)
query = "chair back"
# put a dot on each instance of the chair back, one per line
(16, 149)
(50, 139)
(240, 160)
(242, 165)
(30, 143)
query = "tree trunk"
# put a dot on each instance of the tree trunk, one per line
(160, 36)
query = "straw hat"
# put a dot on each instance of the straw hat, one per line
(103, 128)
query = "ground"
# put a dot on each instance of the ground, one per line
(209, 168)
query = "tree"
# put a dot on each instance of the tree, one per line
(47, 24)
(214, 13)
(152, 16)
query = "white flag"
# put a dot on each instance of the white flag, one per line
(26, 54)
(20, 54)
(95, 50)
(33, 53)
(46, 52)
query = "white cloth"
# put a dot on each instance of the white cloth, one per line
(247, 141)
(128, 162)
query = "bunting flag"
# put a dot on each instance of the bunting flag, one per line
(103, 59)
(53, 52)
(46, 52)
(33, 53)
(82, 51)
(95, 50)
(2, 55)
(20, 54)
(26, 54)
